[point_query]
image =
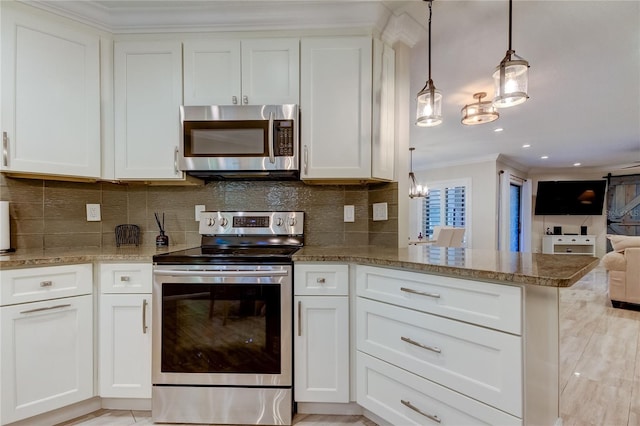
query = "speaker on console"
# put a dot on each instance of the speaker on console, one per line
(557, 230)
(583, 230)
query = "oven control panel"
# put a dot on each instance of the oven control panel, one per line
(251, 223)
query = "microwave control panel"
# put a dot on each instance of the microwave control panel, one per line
(283, 138)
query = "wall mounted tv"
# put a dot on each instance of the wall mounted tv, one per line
(570, 197)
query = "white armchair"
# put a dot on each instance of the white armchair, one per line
(623, 267)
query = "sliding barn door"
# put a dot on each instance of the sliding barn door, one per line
(623, 205)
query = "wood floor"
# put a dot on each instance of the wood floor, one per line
(599, 366)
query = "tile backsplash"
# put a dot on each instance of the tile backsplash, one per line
(49, 214)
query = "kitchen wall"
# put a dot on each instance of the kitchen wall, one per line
(49, 214)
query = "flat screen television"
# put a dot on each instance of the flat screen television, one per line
(570, 197)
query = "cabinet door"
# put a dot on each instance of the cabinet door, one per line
(321, 349)
(148, 94)
(383, 138)
(50, 96)
(47, 356)
(270, 71)
(212, 72)
(335, 101)
(125, 346)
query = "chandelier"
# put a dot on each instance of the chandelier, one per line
(415, 190)
(429, 101)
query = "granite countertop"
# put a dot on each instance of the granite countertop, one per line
(506, 267)
(499, 266)
(58, 256)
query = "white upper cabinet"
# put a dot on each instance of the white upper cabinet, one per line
(247, 72)
(50, 95)
(147, 97)
(341, 121)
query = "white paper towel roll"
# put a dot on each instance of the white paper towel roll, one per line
(5, 230)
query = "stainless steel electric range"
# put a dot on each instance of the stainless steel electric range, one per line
(222, 322)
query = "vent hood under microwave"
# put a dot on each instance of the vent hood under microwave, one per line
(240, 141)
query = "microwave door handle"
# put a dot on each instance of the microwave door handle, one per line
(272, 157)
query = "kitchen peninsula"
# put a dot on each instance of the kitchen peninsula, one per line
(489, 319)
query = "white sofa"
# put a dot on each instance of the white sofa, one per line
(623, 267)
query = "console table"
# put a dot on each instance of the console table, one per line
(569, 244)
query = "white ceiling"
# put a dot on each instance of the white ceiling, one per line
(584, 82)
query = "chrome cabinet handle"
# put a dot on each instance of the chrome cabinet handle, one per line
(175, 161)
(420, 345)
(234, 100)
(321, 280)
(272, 157)
(125, 278)
(46, 283)
(245, 100)
(45, 309)
(419, 411)
(5, 149)
(306, 159)
(299, 318)
(144, 316)
(421, 293)
(210, 273)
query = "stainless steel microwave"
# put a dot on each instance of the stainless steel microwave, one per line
(240, 141)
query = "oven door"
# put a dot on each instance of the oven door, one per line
(222, 325)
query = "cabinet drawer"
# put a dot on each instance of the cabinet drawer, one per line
(321, 279)
(382, 388)
(126, 277)
(49, 282)
(481, 363)
(490, 305)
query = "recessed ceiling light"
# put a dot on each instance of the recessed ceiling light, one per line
(526, 145)
(577, 164)
(498, 129)
(544, 157)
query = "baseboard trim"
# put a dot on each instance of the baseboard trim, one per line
(137, 404)
(344, 409)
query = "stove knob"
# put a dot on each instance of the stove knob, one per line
(292, 221)
(224, 222)
(212, 221)
(279, 221)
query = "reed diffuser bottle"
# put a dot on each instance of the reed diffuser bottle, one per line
(162, 240)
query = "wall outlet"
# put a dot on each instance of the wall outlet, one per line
(380, 211)
(199, 209)
(349, 213)
(93, 213)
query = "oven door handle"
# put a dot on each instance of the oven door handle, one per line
(209, 273)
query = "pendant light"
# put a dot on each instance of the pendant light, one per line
(511, 77)
(480, 112)
(415, 190)
(429, 102)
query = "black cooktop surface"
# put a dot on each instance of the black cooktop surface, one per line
(227, 255)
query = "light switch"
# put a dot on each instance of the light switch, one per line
(199, 208)
(93, 213)
(349, 213)
(380, 211)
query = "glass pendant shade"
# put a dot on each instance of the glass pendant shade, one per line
(415, 190)
(429, 107)
(510, 81)
(480, 112)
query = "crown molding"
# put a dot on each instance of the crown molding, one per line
(403, 28)
(217, 16)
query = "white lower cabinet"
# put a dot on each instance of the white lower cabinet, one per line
(426, 352)
(125, 331)
(47, 343)
(321, 333)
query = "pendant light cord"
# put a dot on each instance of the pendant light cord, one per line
(430, 3)
(510, 19)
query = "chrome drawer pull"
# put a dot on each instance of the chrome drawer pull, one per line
(420, 345)
(321, 280)
(5, 149)
(144, 316)
(45, 309)
(419, 411)
(125, 278)
(46, 283)
(421, 293)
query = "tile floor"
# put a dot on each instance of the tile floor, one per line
(599, 366)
